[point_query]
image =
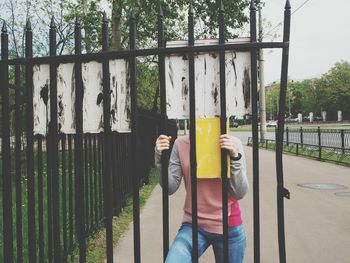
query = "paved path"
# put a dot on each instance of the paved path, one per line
(317, 221)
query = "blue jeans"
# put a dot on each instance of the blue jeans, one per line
(181, 249)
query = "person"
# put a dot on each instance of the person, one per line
(209, 201)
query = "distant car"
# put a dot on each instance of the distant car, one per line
(290, 119)
(233, 122)
(271, 124)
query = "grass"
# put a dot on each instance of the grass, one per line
(96, 244)
(244, 128)
(24, 198)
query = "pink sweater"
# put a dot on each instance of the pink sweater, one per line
(209, 196)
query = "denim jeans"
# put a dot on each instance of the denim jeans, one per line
(181, 249)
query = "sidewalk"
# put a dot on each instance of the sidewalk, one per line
(317, 221)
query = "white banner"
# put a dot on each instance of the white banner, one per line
(92, 77)
(207, 83)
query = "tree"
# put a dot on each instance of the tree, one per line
(334, 90)
(175, 13)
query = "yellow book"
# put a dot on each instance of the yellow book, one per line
(208, 149)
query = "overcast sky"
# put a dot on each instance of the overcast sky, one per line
(320, 37)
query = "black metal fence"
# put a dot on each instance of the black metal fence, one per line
(333, 138)
(69, 179)
(322, 144)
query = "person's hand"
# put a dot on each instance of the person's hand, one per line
(162, 143)
(230, 143)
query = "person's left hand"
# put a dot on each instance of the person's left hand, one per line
(230, 143)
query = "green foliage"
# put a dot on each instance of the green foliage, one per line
(334, 90)
(330, 92)
(147, 86)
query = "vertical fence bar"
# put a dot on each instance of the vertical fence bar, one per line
(18, 151)
(301, 137)
(95, 179)
(281, 191)
(193, 157)
(40, 201)
(100, 184)
(287, 136)
(119, 175)
(70, 191)
(114, 177)
(100, 161)
(6, 151)
(297, 150)
(49, 192)
(78, 149)
(54, 148)
(30, 148)
(91, 182)
(64, 196)
(134, 156)
(107, 144)
(223, 127)
(86, 187)
(164, 130)
(342, 141)
(254, 98)
(319, 143)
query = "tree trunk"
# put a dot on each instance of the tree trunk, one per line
(116, 24)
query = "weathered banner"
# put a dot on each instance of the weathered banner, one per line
(207, 83)
(92, 97)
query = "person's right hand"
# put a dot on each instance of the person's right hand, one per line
(162, 143)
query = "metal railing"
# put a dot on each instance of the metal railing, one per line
(338, 138)
(333, 149)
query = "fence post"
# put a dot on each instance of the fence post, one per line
(287, 136)
(54, 147)
(6, 151)
(134, 131)
(164, 130)
(78, 149)
(193, 157)
(297, 151)
(319, 143)
(108, 190)
(301, 137)
(254, 99)
(342, 141)
(223, 121)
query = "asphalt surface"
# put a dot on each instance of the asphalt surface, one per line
(317, 222)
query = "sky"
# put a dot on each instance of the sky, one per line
(320, 37)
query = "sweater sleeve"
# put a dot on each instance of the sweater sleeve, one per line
(238, 182)
(174, 170)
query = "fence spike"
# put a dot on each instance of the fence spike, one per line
(252, 5)
(4, 28)
(190, 10)
(222, 9)
(160, 10)
(133, 16)
(105, 19)
(28, 25)
(287, 5)
(53, 23)
(77, 22)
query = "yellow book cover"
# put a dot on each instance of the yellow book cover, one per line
(208, 149)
